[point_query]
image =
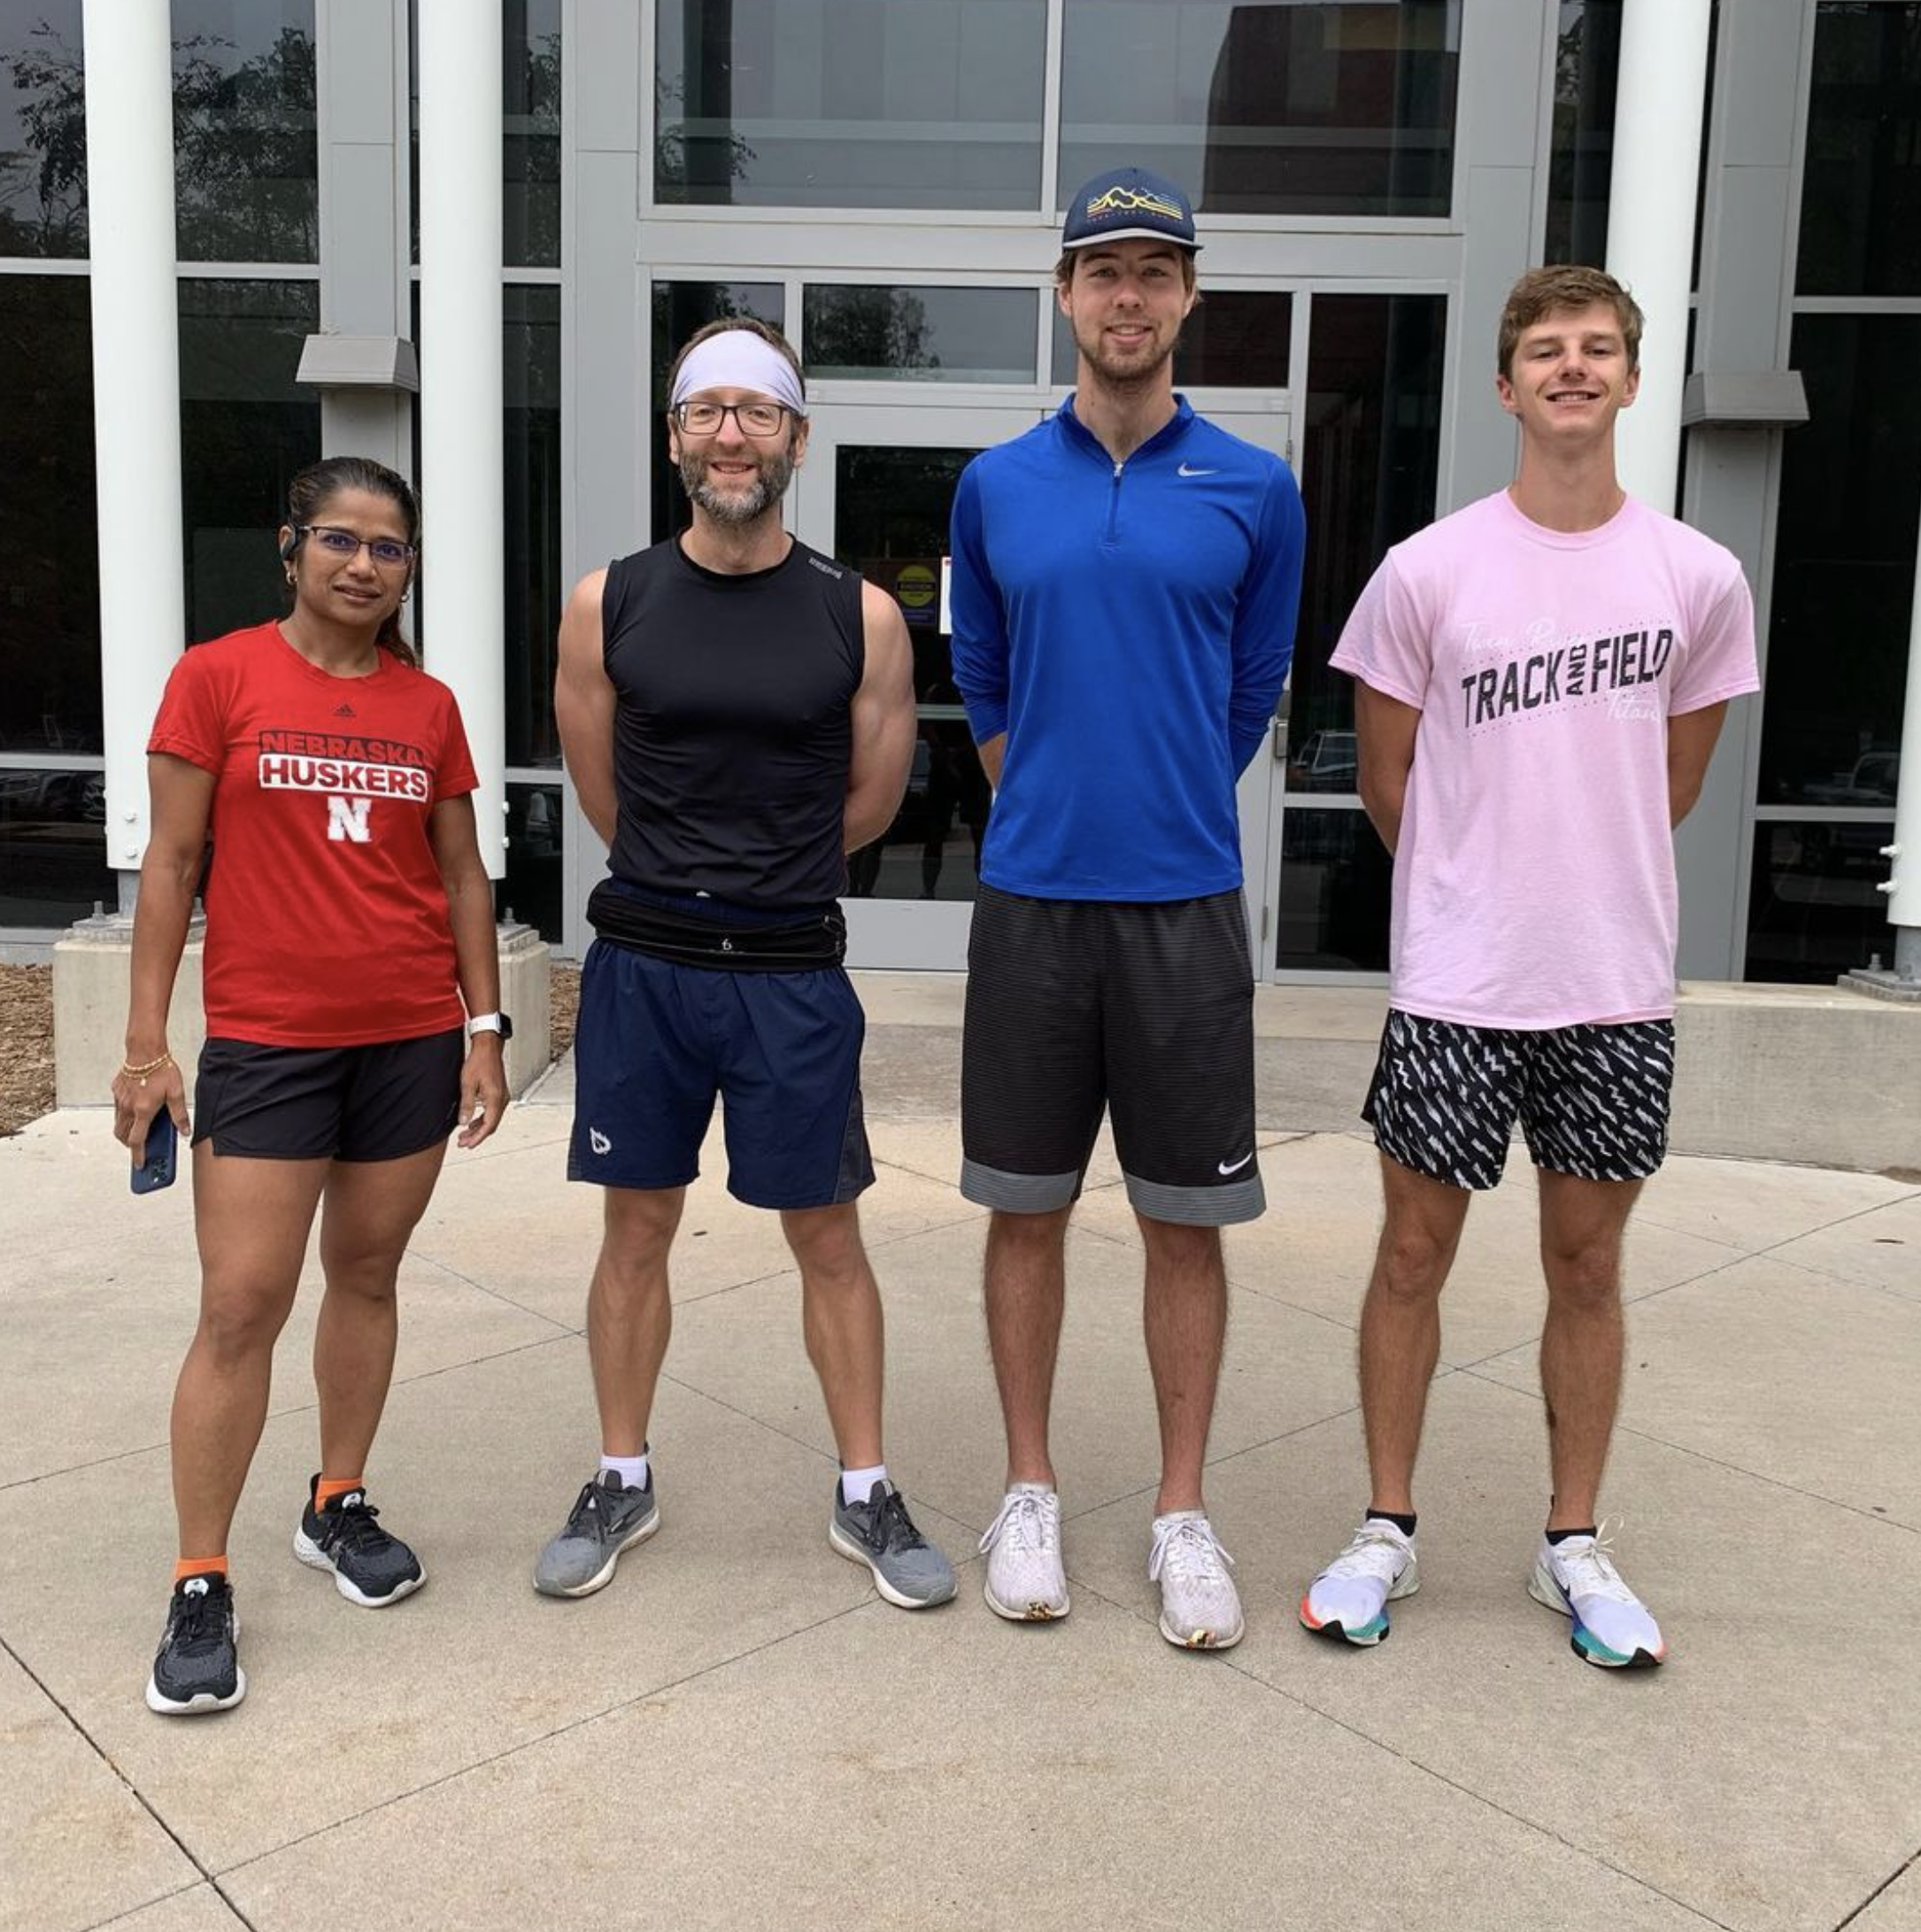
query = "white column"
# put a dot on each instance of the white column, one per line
(1903, 888)
(462, 432)
(1651, 200)
(129, 82)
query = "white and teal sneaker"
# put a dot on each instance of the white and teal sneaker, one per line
(1612, 1627)
(1350, 1597)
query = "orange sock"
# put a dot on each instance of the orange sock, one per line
(199, 1566)
(329, 1486)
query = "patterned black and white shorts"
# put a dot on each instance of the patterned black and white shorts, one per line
(1592, 1100)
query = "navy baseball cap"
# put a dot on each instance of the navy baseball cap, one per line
(1129, 204)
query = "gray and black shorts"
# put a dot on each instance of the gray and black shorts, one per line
(1075, 1007)
(1592, 1100)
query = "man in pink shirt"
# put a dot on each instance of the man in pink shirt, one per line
(1540, 678)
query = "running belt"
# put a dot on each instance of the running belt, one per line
(790, 943)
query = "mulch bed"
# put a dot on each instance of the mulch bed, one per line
(26, 1037)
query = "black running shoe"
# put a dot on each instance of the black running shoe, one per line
(197, 1668)
(370, 1567)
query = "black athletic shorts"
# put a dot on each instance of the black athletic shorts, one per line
(1075, 1006)
(1592, 1100)
(376, 1102)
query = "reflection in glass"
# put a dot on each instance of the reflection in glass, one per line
(679, 309)
(42, 131)
(531, 890)
(533, 589)
(850, 104)
(245, 427)
(1844, 562)
(918, 334)
(246, 162)
(1587, 59)
(1371, 454)
(891, 511)
(531, 210)
(50, 643)
(1861, 195)
(1813, 911)
(53, 848)
(1334, 902)
(1234, 339)
(1267, 106)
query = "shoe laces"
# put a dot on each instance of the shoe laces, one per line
(1371, 1553)
(1586, 1566)
(587, 1509)
(353, 1526)
(889, 1526)
(1187, 1549)
(200, 1623)
(1029, 1521)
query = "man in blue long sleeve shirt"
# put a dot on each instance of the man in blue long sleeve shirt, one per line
(1125, 579)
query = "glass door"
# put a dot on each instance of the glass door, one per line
(874, 492)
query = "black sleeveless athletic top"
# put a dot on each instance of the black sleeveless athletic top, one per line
(733, 730)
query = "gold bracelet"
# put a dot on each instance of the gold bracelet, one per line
(152, 1066)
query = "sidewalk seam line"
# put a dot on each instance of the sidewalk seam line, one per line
(1894, 1877)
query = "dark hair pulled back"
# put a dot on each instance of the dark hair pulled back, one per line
(319, 484)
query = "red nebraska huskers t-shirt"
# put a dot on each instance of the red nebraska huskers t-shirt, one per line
(326, 919)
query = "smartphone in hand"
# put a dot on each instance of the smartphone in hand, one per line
(163, 1147)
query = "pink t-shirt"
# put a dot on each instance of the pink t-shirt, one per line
(1534, 882)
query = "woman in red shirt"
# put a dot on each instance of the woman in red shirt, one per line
(350, 932)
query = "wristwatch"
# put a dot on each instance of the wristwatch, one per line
(491, 1023)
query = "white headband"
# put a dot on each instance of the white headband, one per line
(738, 358)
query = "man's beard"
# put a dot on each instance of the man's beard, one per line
(738, 508)
(1128, 374)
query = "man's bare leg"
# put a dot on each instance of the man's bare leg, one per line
(1186, 1324)
(1026, 1290)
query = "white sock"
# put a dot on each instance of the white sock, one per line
(632, 1470)
(856, 1484)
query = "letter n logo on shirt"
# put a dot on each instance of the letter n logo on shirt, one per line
(346, 818)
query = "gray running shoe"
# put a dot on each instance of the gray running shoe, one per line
(607, 1518)
(908, 1569)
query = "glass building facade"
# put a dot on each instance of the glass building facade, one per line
(884, 179)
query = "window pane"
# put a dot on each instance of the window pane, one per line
(531, 889)
(1861, 195)
(532, 105)
(679, 309)
(850, 103)
(918, 334)
(245, 427)
(53, 848)
(534, 593)
(1844, 564)
(246, 163)
(890, 511)
(1814, 911)
(42, 131)
(1370, 449)
(1336, 878)
(49, 573)
(1587, 59)
(1267, 106)
(1236, 339)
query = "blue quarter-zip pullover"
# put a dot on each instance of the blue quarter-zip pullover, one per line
(1129, 626)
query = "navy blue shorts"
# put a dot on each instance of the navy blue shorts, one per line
(656, 1042)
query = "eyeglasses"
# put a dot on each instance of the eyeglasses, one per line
(388, 552)
(758, 420)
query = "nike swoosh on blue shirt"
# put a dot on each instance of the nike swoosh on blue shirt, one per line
(1184, 471)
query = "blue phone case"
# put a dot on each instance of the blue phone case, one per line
(163, 1142)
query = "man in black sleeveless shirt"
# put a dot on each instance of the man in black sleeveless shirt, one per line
(737, 714)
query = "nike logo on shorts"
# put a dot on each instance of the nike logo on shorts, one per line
(1232, 1167)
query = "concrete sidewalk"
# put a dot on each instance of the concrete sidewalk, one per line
(738, 1732)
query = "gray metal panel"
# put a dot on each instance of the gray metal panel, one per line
(1751, 398)
(358, 240)
(1479, 457)
(368, 422)
(1502, 60)
(1757, 80)
(603, 340)
(603, 50)
(360, 100)
(1744, 245)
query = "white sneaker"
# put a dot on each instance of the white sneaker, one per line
(1612, 1627)
(1026, 1583)
(1199, 1606)
(1350, 1597)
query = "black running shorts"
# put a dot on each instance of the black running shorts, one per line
(375, 1102)
(1077, 1006)
(1592, 1100)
